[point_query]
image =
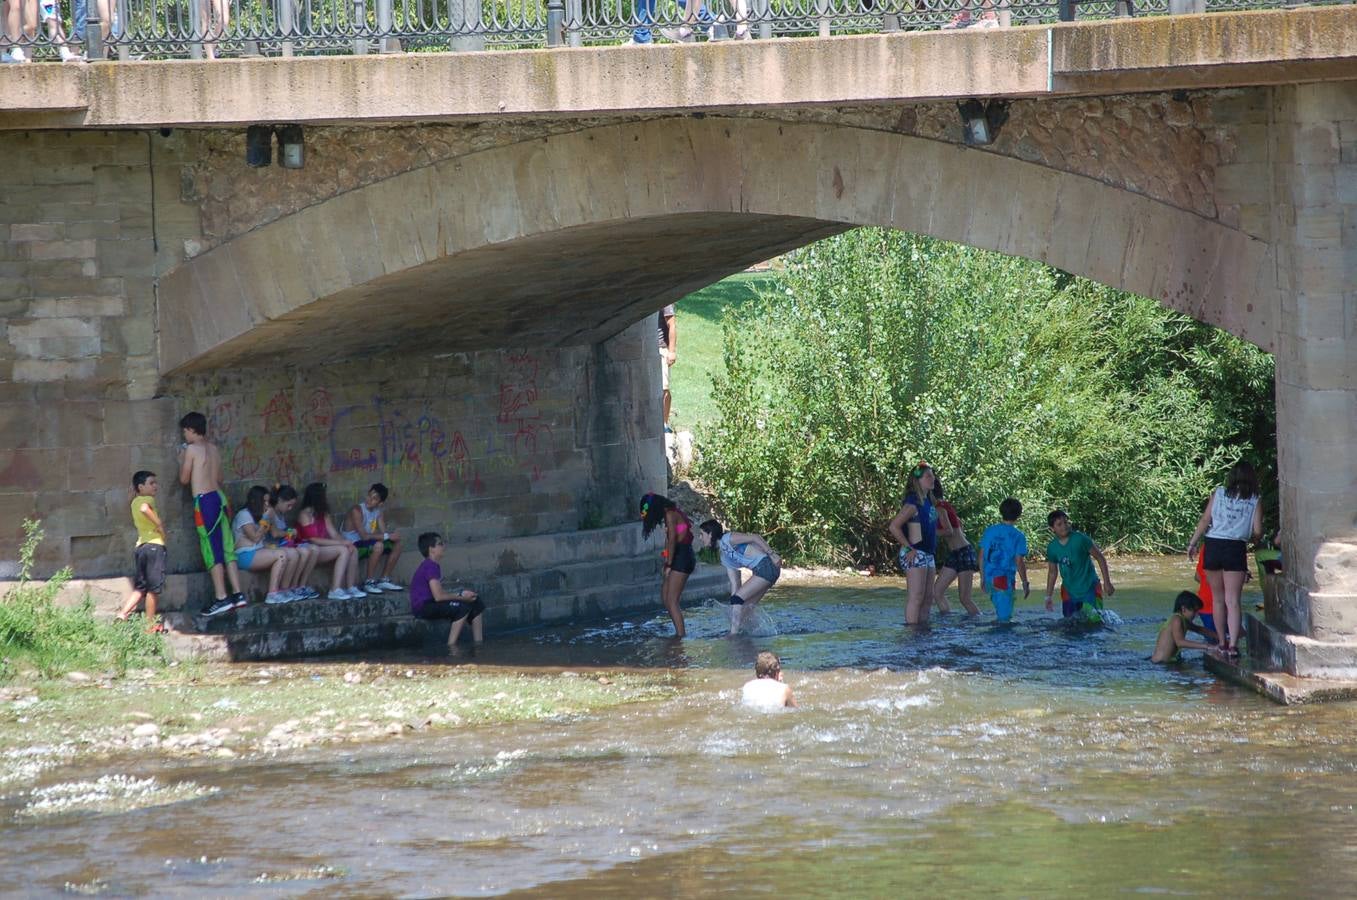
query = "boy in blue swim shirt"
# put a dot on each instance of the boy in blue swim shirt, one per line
(1003, 551)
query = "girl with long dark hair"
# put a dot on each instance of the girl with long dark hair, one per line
(315, 526)
(678, 557)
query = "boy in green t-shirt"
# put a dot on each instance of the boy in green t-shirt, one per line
(1071, 553)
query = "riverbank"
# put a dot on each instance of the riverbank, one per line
(248, 710)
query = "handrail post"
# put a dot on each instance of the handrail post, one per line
(384, 17)
(555, 23)
(195, 27)
(287, 13)
(762, 15)
(94, 33)
(574, 10)
(1066, 8)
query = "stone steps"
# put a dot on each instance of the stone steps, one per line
(571, 593)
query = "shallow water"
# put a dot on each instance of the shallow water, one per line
(968, 759)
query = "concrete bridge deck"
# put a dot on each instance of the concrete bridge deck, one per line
(1217, 50)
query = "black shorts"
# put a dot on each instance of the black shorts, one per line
(684, 560)
(1221, 555)
(150, 569)
(768, 570)
(962, 560)
(453, 611)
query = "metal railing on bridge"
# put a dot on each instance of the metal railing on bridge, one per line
(162, 29)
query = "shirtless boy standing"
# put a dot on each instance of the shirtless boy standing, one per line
(200, 468)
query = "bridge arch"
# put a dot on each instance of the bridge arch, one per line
(567, 239)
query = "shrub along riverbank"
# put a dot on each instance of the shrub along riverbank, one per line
(875, 349)
(39, 635)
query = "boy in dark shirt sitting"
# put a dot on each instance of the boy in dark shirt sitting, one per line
(429, 600)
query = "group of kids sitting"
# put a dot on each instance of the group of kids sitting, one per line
(259, 539)
(1232, 516)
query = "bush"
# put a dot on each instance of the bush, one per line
(55, 639)
(876, 349)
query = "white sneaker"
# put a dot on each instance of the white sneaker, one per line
(387, 584)
(338, 594)
(371, 587)
(273, 598)
(68, 55)
(295, 594)
(681, 35)
(16, 55)
(988, 20)
(355, 593)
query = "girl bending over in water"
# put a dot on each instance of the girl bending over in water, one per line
(679, 559)
(741, 550)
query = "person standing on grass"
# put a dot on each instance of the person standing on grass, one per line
(668, 334)
(915, 529)
(200, 468)
(1232, 517)
(149, 555)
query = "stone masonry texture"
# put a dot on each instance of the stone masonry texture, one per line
(545, 417)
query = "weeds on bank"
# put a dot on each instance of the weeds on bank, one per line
(37, 633)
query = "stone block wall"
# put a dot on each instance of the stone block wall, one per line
(87, 222)
(480, 446)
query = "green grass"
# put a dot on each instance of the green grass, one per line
(699, 346)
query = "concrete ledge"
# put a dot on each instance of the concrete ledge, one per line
(1273, 650)
(318, 627)
(1122, 55)
(1280, 687)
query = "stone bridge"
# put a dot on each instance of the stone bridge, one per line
(452, 294)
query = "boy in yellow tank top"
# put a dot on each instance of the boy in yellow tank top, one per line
(148, 579)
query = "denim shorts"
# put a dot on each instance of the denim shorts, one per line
(768, 570)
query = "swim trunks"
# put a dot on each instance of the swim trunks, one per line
(1001, 595)
(365, 546)
(212, 517)
(150, 571)
(1093, 597)
(962, 560)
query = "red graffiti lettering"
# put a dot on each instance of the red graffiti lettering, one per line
(320, 410)
(245, 460)
(277, 415)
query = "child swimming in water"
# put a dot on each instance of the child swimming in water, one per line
(766, 690)
(741, 550)
(679, 559)
(1173, 636)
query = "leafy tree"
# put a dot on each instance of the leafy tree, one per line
(878, 348)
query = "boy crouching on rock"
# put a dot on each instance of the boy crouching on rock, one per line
(429, 600)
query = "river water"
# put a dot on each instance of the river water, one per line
(969, 759)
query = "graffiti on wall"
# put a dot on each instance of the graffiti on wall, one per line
(293, 435)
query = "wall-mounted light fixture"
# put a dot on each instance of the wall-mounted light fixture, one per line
(981, 120)
(291, 146)
(258, 146)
